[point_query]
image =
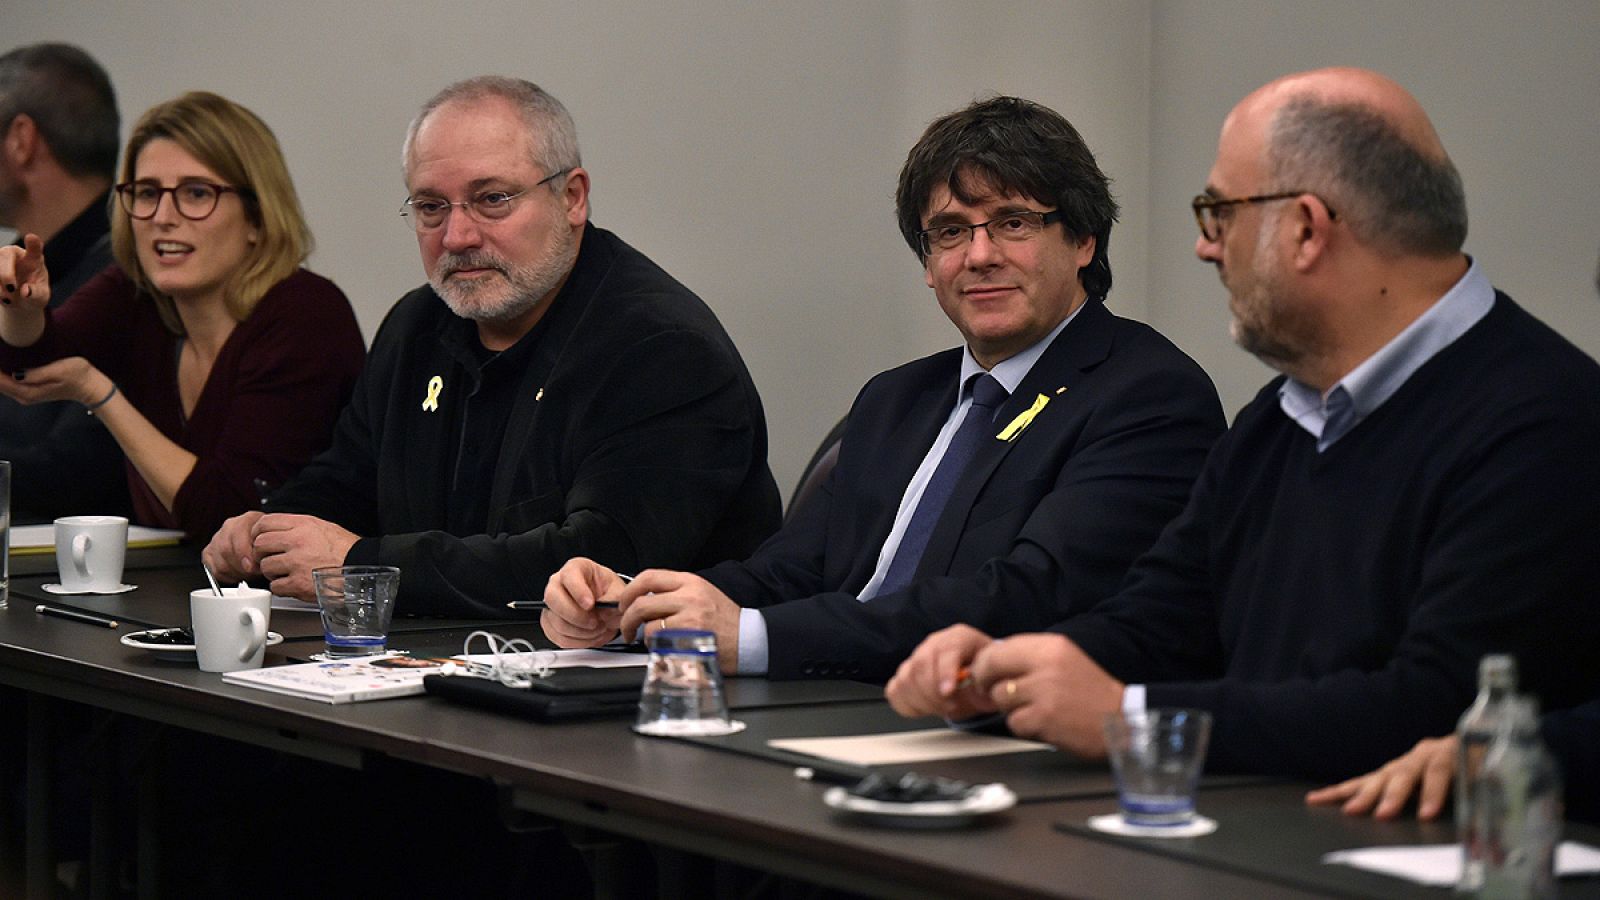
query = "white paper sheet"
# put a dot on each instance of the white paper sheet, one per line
(906, 746)
(597, 659)
(1440, 864)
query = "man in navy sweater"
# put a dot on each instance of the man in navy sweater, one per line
(1417, 490)
(1428, 770)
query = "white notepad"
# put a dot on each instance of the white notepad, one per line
(1440, 864)
(28, 540)
(902, 747)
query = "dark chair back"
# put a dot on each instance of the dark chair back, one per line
(817, 470)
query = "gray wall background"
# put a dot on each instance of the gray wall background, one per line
(751, 148)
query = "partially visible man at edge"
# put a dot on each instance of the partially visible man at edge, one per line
(1428, 770)
(58, 156)
(552, 393)
(1086, 444)
(1417, 491)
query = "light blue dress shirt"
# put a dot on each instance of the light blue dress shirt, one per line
(1352, 398)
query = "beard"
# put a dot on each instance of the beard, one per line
(1256, 326)
(1267, 322)
(518, 289)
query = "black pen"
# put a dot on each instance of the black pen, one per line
(827, 775)
(75, 616)
(540, 604)
(598, 604)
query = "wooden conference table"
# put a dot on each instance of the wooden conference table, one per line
(716, 797)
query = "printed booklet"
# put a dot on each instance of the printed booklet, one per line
(343, 681)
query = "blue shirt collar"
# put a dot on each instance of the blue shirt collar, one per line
(1366, 387)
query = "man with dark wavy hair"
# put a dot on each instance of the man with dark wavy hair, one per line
(1416, 490)
(58, 157)
(1005, 483)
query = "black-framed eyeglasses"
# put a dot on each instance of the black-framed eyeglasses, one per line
(485, 207)
(1022, 225)
(194, 200)
(1211, 212)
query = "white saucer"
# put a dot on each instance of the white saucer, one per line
(177, 652)
(1113, 823)
(690, 728)
(985, 799)
(57, 589)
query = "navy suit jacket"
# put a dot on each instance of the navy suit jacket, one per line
(1038, 528)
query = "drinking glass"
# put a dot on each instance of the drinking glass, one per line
(1156, 757)
(357, 603)
(682, 692)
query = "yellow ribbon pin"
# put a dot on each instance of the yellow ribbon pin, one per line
(1023, 419)
(435, 385)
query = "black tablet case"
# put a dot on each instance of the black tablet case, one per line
(577, 692)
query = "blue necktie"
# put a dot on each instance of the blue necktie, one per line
(987, 395)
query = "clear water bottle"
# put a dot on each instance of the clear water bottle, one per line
(1497, 682)
(1520, 789)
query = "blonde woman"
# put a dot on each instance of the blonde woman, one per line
(214, 359)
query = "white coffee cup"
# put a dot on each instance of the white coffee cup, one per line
(89, 552)
(230, 632)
